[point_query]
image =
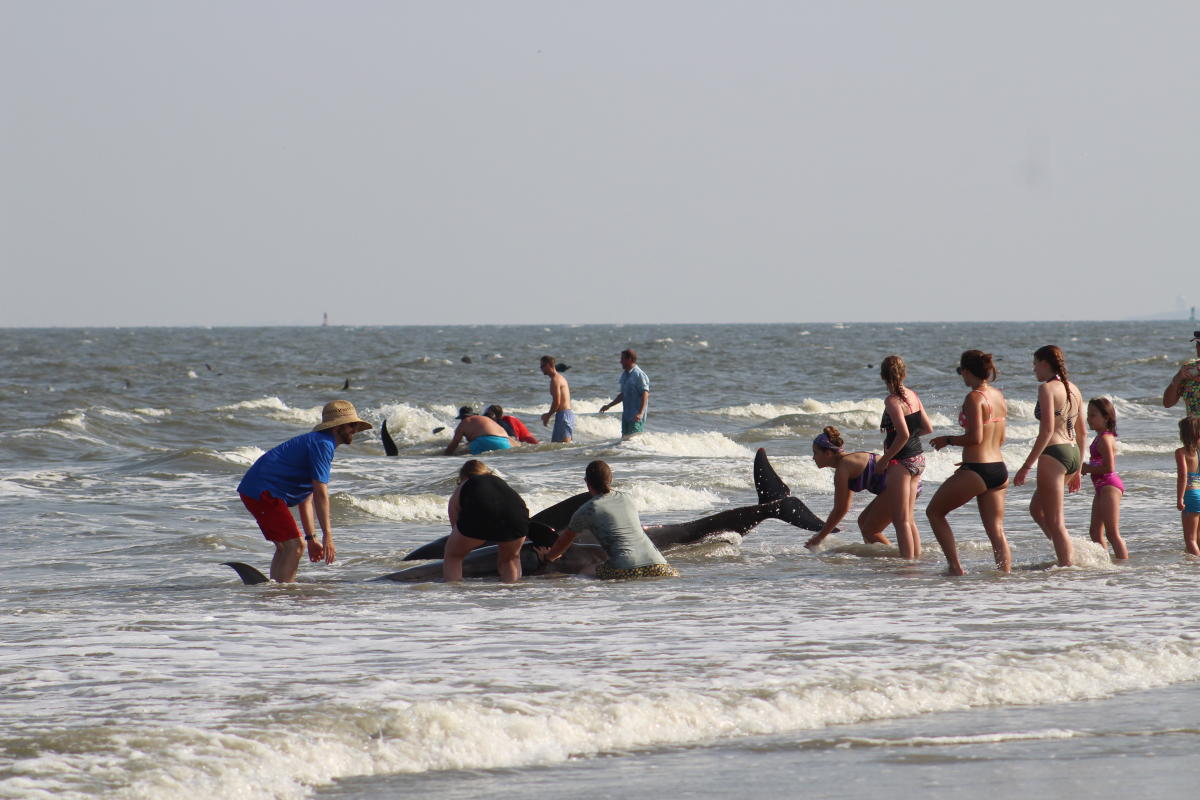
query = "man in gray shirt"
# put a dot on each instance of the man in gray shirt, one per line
(612, 518)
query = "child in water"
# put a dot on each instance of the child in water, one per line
(1187, 482)
(1102, 466)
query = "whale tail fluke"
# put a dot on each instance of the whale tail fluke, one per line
(792, 510)
(389, 444)
(249, 575)
(767, 483)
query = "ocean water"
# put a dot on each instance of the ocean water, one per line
(134, 665)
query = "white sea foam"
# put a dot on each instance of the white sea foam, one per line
(803, 476)
(282, 759)
(445, 412)
(278, 410)
(1090, 555)
(243, 456)
(75, 418)
(405, 507)
(1133, 410)
(1132, 447)
(603, 426)
(124, 416)
(1019, 408)
(982, 738)
(807, 406)
(409, 425)
(538, 500)
(694, 445)
(941, 421)
(1021, 431)
(11, 489)
(652, 496)
(268, 403)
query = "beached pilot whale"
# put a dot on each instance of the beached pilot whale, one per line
(775, 501)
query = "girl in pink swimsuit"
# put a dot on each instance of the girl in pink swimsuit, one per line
(1102, 466)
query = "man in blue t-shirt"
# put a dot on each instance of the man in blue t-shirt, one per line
(296, 473)
(634, 395)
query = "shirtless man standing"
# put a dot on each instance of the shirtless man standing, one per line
(560, 403)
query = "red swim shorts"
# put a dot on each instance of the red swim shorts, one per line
(273, 517)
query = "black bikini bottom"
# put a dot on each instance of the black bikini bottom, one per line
(994, 473)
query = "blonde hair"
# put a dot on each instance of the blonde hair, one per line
(471, 468)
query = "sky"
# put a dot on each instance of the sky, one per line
(395, 163)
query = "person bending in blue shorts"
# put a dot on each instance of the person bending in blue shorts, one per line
(482, 433)
(296, 473)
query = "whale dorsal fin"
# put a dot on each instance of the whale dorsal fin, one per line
(249, 575)
(389, 444)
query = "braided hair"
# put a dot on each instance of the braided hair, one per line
(893, 372)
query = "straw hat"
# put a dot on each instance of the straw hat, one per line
(339, 412)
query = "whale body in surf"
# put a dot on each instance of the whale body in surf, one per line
(775, 501)
(479, 563)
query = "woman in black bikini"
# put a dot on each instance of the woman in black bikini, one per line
(852, 472)
(982, 474)
(904, 423)
(1056, 451)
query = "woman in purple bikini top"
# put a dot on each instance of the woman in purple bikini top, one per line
(852, 473)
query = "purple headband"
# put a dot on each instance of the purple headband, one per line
(822, 441)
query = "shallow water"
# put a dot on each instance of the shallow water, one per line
(134, 665)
